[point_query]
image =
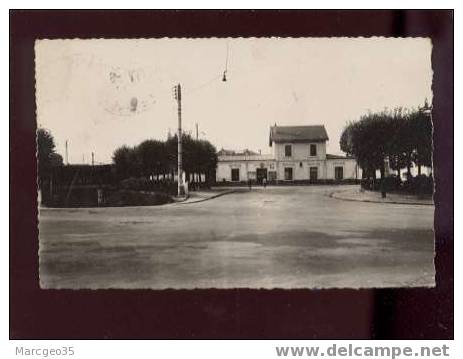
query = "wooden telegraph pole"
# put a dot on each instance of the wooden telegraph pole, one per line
(67, 161)
(178, 97)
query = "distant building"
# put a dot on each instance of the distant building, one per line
(298, 154)
(245, 152)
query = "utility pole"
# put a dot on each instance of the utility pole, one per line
(67, 161)
(197, 135)
(93, 159)
(178, 97)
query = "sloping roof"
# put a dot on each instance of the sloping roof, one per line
(224, 152)
(245, 152)
(315, 133)
(338, 157)
(241, 157)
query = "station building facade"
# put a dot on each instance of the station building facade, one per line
(298, 154)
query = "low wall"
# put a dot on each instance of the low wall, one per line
(291, 183)
(98, 196)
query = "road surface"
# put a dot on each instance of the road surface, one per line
(279, 237)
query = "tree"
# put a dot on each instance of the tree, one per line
(364, 140)
(198, 156)
(47, 158)
(56, 159)
(421, 127)
(151, 155)
(154, 158)
(207, 160)
(400, 144)
(127, 162)
(401, 136)
(171, 155)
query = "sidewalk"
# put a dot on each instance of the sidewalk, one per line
(200, 196)
(370, 196)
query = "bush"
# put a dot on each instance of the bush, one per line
(64, 196)
(131, 198)
(135, 184)
(419, 185)
(389, 184)
(370, 184)
(144, 184)
(88, 197)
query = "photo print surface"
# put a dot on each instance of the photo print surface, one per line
(235, 163)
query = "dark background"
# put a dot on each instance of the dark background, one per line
(416, 313)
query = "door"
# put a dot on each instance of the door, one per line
(261, 173)
(235, 174)
(338, 173)
(313, 173)
(288, 173)
(272, 176)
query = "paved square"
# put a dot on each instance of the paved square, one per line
(278, 237)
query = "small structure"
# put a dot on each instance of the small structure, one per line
(298, 155)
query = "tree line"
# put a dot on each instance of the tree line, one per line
(151, 159)
(47, 158)
(403, 137)
(155, 159)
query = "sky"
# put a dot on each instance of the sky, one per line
(101, 94)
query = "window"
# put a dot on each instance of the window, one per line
(288, 151)
(288, 173)
(235, 174)
(313, 173)
(313, 150)
(338, 173)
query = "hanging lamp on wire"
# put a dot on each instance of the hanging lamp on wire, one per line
(224, 78)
